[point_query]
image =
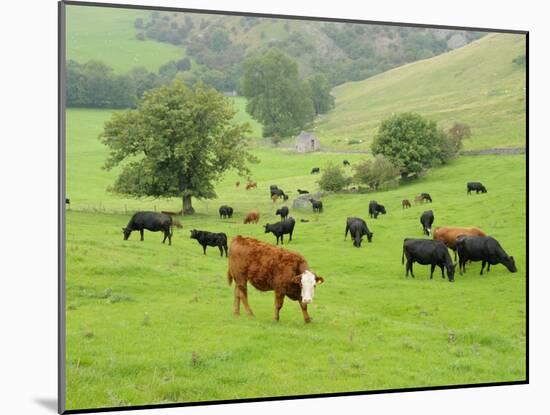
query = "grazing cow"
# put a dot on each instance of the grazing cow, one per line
(281, 228)
(375, 209)
(485, 249)
(427, 252)
(226, 211)
(303, 192)
(177, 224)
(152, 221)
(237, 184)
(448, 235)
(251, 185)
(282, 212)
(477, 186)
(346, 163)
(277, 193)
(315, 170)
(426, 197)
(206, 238)
(252, 217)
(405, 203)
(317, 205)
(304, 220)
(426, 220)
(270, 268)
(357, 228)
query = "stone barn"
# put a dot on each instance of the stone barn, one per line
(306, 142)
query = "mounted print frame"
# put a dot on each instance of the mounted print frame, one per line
(252, 207)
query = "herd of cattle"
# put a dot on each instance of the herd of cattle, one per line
(270, 268)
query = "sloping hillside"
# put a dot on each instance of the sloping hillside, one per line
(478, 84)
(108, 35)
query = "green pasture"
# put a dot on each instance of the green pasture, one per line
(477, 84)
(152, 323)
(108, 35)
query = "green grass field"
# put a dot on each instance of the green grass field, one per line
(108, 35)
(150, 323)
(477, 84)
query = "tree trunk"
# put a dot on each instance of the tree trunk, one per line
(187, 208)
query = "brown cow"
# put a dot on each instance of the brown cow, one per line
(419, 199)
(448, 234)
(237, 184)
(250, 185)
(252, 217)
(405, 203)
(177, 224)
(269, 268)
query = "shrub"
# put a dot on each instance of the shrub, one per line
(333, 178)
(377, 173)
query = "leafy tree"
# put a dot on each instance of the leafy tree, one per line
(409, 142)
(276, 96)
(177, 143)
(375, 172)
(333, 178)
(320, 94)
(219, 40)
(184, 64)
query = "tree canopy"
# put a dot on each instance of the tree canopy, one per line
(177, 143)
(320, 93)
(277, 97)
(411, 143)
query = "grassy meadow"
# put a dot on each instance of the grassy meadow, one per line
(108, 35)
(149, 323)
(477, 84)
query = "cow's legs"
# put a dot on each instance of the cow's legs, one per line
(221, 250)
(204, 249)
(141, 234)
(442, 272)
(279, 299)
(482, 266)
(307, 318)
(244, 298)
(237, 302)
(488, 266)
(432, 271)
(290, 237)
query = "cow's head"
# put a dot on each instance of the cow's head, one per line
(510, 263)
(382, 209)
(451, 272)
(126, 232)
(194, 234)
(483, 189)
(357, 240)
(266, 226)
(369, 236)
(308, 280)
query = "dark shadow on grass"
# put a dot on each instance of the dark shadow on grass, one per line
(48, 403)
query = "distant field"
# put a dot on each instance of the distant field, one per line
(108, 35)
(477, 84)
(150, 323)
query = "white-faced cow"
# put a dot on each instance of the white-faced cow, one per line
(270, 268)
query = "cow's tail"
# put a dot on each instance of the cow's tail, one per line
(403, 255)
(229, 277)
(171, 226)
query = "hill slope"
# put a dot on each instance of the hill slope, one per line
(108, 35)
(477, 84)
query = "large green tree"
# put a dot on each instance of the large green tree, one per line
(177, 143)
(276, 96)
(409, 142)
(320, 93)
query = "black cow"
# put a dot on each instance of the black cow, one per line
(282, 212)
(346, 163)
(226, 211)
(357, 228)
(279, 193)
(477, 186)
(485, 249)
(315, 170)
(152, 221)
(303, 192)
(317, 205)
(375, 209)
(206, 238)
(280, 228)
(426, 220)
(427, 252)
(426, 197)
